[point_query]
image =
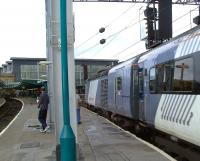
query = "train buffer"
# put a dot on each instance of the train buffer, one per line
(100, 140)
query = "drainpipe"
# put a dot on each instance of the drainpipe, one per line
(67, 138)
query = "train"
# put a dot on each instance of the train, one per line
(158, 89)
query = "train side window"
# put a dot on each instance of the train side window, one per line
(152, 79)
(160, 73)
(164, 76)
(118, 82)
(183, 75)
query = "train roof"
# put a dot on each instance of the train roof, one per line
(175, 47)
(125, 63)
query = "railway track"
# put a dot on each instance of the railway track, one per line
(180, 151)
(8, 111)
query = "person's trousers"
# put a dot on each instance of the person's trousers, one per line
(42, 118)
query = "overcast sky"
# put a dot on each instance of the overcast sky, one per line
(23, 32)
(22, 29)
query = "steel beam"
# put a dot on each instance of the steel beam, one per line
(183, 2)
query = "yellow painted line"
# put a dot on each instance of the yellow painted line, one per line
(4, 130)
(143, 141)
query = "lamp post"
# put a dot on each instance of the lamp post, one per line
(67, 138)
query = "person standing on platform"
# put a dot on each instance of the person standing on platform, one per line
(43, 108)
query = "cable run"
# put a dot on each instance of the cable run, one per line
(128, 26)
(88, 39)
(117, 54)
(88, 49)
(184, 15)
(107, 43)
(120, 16)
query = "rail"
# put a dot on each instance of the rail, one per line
(2, 101)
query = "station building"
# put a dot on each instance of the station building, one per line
(87, 69)
(6, 74)
(22, 68)
(28, 68)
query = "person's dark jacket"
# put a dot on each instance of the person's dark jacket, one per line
(43, 101)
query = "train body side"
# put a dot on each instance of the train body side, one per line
(162, 91)
(93, 92)
(102, 93)
(171, 80)
(121, 90)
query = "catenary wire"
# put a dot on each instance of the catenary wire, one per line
(135, 24)
(114, 20)
(131, 25)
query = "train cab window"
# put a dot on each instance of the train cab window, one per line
(183, 75)
(118, 82)
(152, 79)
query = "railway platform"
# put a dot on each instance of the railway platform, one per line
(101, 140)
(98, 140)
(22, 140)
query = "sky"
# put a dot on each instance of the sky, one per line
(23, 29)
(116, 17)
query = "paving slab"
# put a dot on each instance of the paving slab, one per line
(100, 140)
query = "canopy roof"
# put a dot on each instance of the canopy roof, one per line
(24, 84)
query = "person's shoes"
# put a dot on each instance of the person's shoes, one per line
(47, 127)
(41, 130)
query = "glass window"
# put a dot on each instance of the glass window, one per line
(118, 82)
(93, 69)
(141, 83)
(32, 71)
(164, 76)
(152, 79)
(79, 80)
(183, 75)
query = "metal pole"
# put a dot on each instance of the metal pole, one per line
(67, 138)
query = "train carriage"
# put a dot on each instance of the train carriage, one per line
(170, 77)
(93, 92)
(159, 89)
(123, 90)
(97, 90)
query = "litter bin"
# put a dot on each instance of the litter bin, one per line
(78, 114)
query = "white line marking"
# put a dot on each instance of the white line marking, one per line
(4, 130)
(4, 101)
(143, 141)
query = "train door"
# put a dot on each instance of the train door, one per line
(118, 93)
(141, 93)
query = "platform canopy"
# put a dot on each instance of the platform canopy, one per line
(26, 84)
